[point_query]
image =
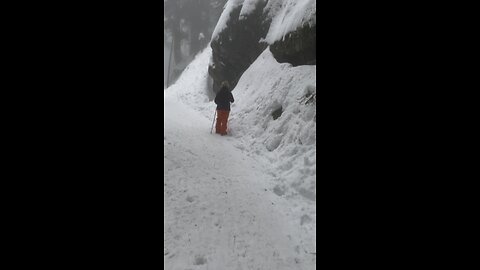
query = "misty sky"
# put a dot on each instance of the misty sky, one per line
(191, 25)
(165, 65)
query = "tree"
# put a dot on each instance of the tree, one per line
(189, 24)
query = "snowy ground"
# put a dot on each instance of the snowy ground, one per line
(240, 201)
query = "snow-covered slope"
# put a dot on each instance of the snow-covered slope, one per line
(287, 143)
(194, 86)
(286, 146)
(276, 157)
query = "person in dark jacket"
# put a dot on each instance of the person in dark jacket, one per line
(223, 99)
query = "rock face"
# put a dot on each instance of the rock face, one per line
(237, 47)
(298, 47)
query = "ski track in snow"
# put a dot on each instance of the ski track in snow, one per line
(218, 211)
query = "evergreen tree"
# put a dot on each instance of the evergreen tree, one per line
(191, 22)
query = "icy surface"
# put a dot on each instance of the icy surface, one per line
(247, 200)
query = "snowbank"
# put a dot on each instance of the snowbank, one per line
(225, 17)
(288, 142)
(194, 85)
(248, 7)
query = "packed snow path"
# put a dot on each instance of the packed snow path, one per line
(218, 212)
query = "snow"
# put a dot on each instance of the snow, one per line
(248, 7)
(286, 16)
(247, 200)
(290, 140)
(225, 17)
(193, 86)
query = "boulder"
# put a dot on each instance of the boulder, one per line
(297, 47)
(241, 42)
(237, 46)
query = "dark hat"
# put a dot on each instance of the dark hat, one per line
(225, 84)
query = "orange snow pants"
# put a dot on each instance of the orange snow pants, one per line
(222, 119)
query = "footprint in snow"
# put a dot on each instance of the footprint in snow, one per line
(305, 219)
(279, 190)
(199, 260)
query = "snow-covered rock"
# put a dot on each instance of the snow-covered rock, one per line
(235, 41)
(288, 143)
(247, 27)
(288, 16)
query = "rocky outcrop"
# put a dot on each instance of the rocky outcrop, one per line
(240, 43)
(298, 47)
(237, 46)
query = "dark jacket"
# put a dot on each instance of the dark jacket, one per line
(223, 99)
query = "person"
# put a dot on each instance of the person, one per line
(223, 99)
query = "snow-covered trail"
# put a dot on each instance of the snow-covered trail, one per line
(218, 212)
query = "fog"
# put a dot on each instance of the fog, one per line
(166, 59)
(188, 25)
(165, 66)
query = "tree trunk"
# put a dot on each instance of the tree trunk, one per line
(177, 52)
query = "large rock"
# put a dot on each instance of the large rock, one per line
(298, 47)
(238, 46)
